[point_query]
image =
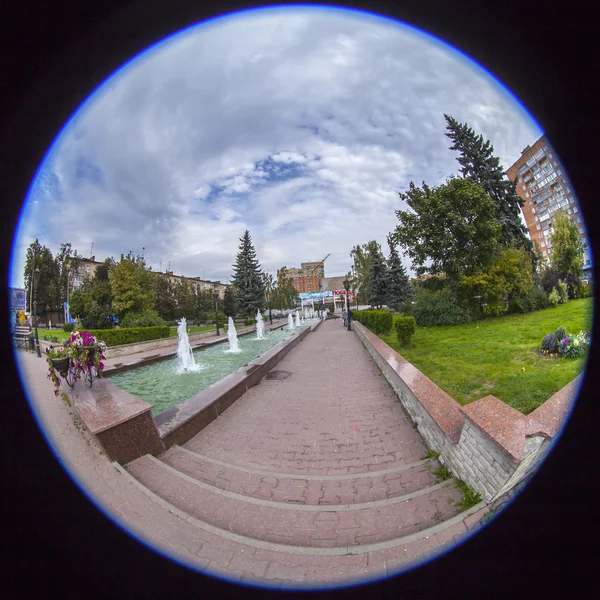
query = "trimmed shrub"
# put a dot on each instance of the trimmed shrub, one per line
(69, 327)
(405, 329)
(406, 308)
(123, 335)
(553, 297)
(538, 298)
(378, 321)
(249, 322)
(439, 308)
(147, 318)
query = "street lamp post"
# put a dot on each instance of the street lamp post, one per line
(36, 277)
(216, 295)
(347, 288)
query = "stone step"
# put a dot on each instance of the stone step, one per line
(236, 557)
(342, 525)
(304, 489)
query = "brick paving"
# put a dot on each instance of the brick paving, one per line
(323, 436)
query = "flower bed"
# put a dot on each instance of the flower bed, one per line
(563, 344)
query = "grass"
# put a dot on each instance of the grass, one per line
(498, 356)
(469, 496)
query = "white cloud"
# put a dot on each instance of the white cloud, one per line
(301, 125)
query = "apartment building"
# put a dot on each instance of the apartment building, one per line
(306, 278)
(545, 187)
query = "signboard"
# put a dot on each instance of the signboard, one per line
(315, 295)
(16, 299)
(343, 293)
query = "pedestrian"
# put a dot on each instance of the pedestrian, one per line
(345, 317)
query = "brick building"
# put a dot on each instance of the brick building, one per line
(307, 277)
(545, 187)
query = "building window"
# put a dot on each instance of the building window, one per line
(545, 148)
(574, 209)
(555, 163)
(527, 196)
(540, 235)
(87, 269)
(545, 253)
(538, 226)
(550, 155)
(581, 230)
(578, 219)
(536, 220)
(533, 210)
(524, 187)
(543, 244)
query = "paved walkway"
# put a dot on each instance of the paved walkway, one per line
(314, 475)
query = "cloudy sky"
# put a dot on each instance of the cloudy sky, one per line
(301, 125)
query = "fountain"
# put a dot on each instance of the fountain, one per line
(297, 319)
(232, 337)
(290, 322)
(185, 355)
(260, 326)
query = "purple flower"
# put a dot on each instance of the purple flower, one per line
(565, 341)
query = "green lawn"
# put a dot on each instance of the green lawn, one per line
(498, 356)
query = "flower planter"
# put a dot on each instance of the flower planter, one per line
(60, 364)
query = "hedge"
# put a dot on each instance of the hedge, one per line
(378, 321)
(129, 335)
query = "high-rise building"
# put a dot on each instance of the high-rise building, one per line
(545, 187)
(306, 278)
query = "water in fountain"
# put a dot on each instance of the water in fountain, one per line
(290, 322)
(232, 337)
(185, 356)
(260, 326)
(297, 319)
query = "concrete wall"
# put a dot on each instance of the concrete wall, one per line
(486, 444)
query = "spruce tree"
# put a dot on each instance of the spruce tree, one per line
(248, 279)
(378, 279)
(479, 164)
(399, 288)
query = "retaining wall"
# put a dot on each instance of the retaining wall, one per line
(487, 444)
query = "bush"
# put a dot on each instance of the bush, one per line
(561, 333)
(406, 308)
(249, 322)
(123, 335)
(587, 289)
(550, 343)
(563, 292)
(69, 327)
(378, 321)
(538, 298)
(147, 318)
(570, 347)
(211, 317)
(439, 308)
(405, 329)
(202, 317)
(553, 297)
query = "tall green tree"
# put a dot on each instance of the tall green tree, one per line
(399, 288)
(229, 302)
(248, 278)
(286, 295)
(479, 165)
(451, 229)
(67, 260)
(91, 303)
(362, 256)
(164, 296)
(132, 285)
(378, 278)
(566, 253)
(48, 289)
(185, 300)
(270, 293)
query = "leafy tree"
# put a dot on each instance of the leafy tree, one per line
(164, 296)
(451, 227)
(248, 278)
(67, 260)
(270, 293)
(229, 302)
(185, 300)
(286, 295)
(132, 285)
(510, 276)
(399, 288)
(91, 303)
(47, 293)
(479, 165)
(148, 318)
(566, 254)
(378, 278)
(362, 256)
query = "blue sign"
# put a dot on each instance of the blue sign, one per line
(315, 295)
(16, 298)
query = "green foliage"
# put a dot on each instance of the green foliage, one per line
(561, 332)
(148, 318)
(116, 337)
(538, 298)
(132, 285)
(48, 287)
(362, 257)
(511, 275)
(201, 317)
(399, 289)
(562, 292)
(550, 343)
(285, 295)
(469, 496)
(553, 297)
(435, 283)
(69, 327)
(451, 228)
(377, 288)
(442, 473)
(479, 165)
(248, 279)
(378, 321)
(566, 254)
(439, 308)
(406, 308)
(248, 322)
(222, 317)
(51, 338)
(229, 302)
(588, 289)
(431, 454)
(164, 296)
(405, 329)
